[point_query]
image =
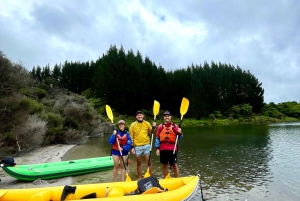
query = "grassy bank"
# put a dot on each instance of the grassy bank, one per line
(202, 122)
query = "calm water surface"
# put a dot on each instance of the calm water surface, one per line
(236, 162)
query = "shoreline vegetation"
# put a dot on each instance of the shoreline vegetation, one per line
(217, 122)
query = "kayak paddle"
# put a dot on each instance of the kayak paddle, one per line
(155, 112)
(183, 109)
(111, 117)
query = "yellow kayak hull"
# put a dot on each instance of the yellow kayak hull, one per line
(182, 188)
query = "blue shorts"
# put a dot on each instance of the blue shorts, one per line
(142, 150)
(117, 153)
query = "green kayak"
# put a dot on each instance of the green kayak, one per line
(53, 170)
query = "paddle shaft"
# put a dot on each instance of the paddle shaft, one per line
(177, 138)
(127, 160)
(201, 190)
(121, 155)
(151, 145)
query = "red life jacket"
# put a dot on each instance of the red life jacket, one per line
(122, 141)
(167, 135)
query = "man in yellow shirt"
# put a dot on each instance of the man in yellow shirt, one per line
(139, 133)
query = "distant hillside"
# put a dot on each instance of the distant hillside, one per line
(32, 117)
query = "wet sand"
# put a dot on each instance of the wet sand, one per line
(46, 154)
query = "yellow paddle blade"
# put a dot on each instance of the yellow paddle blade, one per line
(168, 176)
(184, 106)
(155, 108)
(127, 177)
(147, 174)
(109, 113)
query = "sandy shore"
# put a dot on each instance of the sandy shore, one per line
(41, 155)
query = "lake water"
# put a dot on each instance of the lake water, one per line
(236, 162)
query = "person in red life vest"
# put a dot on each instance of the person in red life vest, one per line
(125, 143)
(165, 142)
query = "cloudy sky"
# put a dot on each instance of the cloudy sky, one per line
(260, 36)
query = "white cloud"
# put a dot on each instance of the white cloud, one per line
(262, 37)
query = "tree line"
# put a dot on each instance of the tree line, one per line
(128, 82)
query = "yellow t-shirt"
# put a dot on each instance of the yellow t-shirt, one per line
(139, 133)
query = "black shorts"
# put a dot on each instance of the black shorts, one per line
(167, 157)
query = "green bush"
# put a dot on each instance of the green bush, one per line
(11, 103)
(212, 117)
(9, 138)
(71, 122)
(89, 113)
(241, 110)
(44, 87)
(218, 114)
(54, 131)
(34, 92)
(273, 113)
(54, 135)
(54, 120)
(31, 105)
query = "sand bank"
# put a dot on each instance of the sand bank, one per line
(46, 154)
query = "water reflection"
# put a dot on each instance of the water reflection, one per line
(286, 161)
(235, 162)
(232, 159)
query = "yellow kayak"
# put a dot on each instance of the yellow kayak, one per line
(182, 188)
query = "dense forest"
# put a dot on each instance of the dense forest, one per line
(127, 82)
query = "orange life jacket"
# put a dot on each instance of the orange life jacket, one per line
(167, 135)
(122, 141)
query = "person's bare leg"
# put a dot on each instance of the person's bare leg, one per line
(175, 170)
(116, 166)
(147, 161)
(123, 169)
(139, 166)
(165, 169)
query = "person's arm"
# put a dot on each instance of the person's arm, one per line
(157, 139)
(157, 142)
(149, 128)
(131, 134)
(178, 131)
(112, 138)
(128, 144)
(131, 128)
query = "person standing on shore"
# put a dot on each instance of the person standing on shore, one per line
(121, 142)
(165, 144)
(139, 132)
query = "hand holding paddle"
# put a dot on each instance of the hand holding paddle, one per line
(183, 109)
